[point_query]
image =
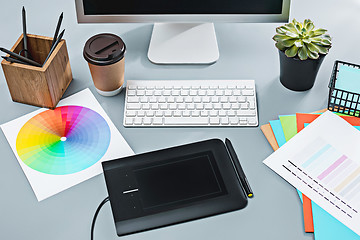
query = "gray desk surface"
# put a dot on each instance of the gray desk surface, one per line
(247, 52)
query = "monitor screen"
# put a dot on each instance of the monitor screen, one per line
(179, 181)
(114, 7)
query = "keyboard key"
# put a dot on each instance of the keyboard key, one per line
(167, 93)
(129, 121)
(186, 121)
(217, 106)
(213, 113)
(231, 113)
(157, 121)
(164, 106)
(199, 106)
(202, 92)
(130, 113)
(186, 113)
(144, 99)
(248, 92)
(173, 106)
(141, 113)
(241, 99)
(223, 99)
(147, 121)
(195, 113)
(252, 104)
(171, 99)
(177, 113)
(137, 121)
(133, 99)
(219, 92)
(150, 113)
(204, 113)
(226, 106)
(193, 92)
(167, 113)
(228, 92)
(214, 121)
(152, 99)
(149, 92)
(208, 106)
(206, 99)
(154, 106)
(131, 92)
(159, 113)
(157, 93)
(224, 120)
(237, 92)
(133, 106)
(191, 106)
(233, 120)
(245, 113)
(252, 121)
(222, 113)
(179, 100)
(140, 92)
(215, 99)
(146, 106)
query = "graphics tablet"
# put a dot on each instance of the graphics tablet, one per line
(172, 185)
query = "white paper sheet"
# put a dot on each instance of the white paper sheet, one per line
(46, 185)
(323, 162)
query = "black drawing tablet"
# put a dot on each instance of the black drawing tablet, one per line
(172, 185)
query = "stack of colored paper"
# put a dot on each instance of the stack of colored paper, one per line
(316, 220)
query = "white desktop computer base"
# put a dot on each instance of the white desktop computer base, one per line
(183, 43)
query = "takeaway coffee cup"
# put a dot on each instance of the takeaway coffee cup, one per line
(105, 56)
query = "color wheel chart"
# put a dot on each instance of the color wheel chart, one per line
(63, 141)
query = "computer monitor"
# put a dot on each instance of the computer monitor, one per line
(183, 32)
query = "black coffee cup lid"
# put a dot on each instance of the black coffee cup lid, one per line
(104, 49)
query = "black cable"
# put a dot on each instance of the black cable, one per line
(95, 216)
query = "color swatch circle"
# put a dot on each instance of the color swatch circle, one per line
(62, 141)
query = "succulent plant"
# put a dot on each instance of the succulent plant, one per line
(302, 39)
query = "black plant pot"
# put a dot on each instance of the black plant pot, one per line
(298, 75)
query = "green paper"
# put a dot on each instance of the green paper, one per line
(288, 123)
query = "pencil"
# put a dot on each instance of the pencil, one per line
(29, 61)
(24, 32)
(57, 29)
(240, 171)
(14, 60)
(54, 46)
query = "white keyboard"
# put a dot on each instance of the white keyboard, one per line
(172, 103)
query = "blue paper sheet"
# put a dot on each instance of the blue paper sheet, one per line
(348, 79)
(326, 227)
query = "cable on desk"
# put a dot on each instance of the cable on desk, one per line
(95, 216)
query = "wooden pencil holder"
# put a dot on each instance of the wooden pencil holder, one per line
(39, 86)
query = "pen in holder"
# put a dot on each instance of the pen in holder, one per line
(344, 89)
(39, 86)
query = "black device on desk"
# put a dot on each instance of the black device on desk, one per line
(173, 185)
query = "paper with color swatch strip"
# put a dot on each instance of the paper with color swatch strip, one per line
(301, 162)
(326, 226)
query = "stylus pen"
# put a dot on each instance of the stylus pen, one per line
(57, 29)
(24, 59)
(24, 32)
(14, 60)
(239, 169)
(54, 46)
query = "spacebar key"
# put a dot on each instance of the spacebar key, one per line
(186, 121)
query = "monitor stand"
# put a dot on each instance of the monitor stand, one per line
(183, 43)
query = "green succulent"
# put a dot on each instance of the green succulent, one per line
(302, 39)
